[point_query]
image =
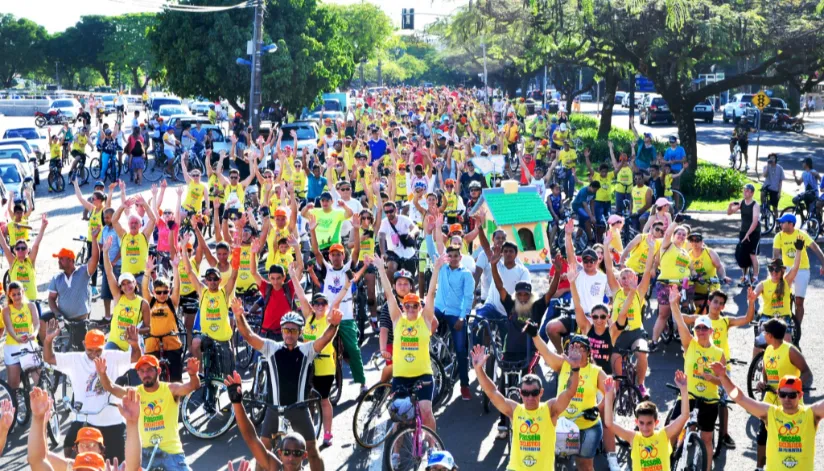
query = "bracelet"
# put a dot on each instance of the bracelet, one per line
(575, 370)
(619, 326)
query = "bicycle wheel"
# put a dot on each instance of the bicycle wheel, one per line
(400, 453)
(53, 429)
(679, 203)
(796, 330)
(813, 227)
(259, 392)
(7, 394)
(738, 160)
(315, 412)
(372, 423)
(438, 381)
(337, 385)
(83, 175)
(57, 181)
(243, 351)
(755, 374)
(626, 400)
(207, 412)
(767, 220)
(694, 457)
(669, 329)
(155, 170)
(94, 167)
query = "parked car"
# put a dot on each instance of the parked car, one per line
(585, 96)
(221, 144)
(200, 108)
(156, 102)
(13, 178)
(167, 111)
(332, 110)
(776, 105)
(108, 104)
(67, 106)
(17, 154)
(38, 141)
(704, 110)
(737, 107)
(307, 133)
(619, 98)
(177, 121)
(19, 141)
(654, 109)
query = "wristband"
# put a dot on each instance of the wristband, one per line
(235, 394)
(619, 326)
(575, 370)
(264, 212)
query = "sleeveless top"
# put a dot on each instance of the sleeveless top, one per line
(585, 394)
(601, 349)
(158, 419)
(126, 313)
(23, 273)
(697, 361)
(410, 348)
(214, 315)
(746, 218)
(325, 360)
(533, 439)
(791, 439)
(777, 364)
(22, 322)
(771, 304)
(162, 321)
(134, 251)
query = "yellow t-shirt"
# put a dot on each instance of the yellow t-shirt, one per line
(329, 224)
(653, 453)
(367, 247)
(234, 196)
(559, 137)
(604, 194)
(637, 259)
(186, 286)
(721, 334)
(245, 280)
(325, 361)
(134, 251)
(634, 315)
(771, 304)
(624, 177)
(697, 361)
(706, 269)
(275, 257)
(788, 252)
(95, 224)
(410, 348)
(777, 364)
(56, 150)
(214, 315)
(585, 393)
(569, 158)
(126, 313)
(23, 273)
(195, 194)
(639, 197)
(367, 178)
(791, 439)
(668, 185)
(80, 142)
(675, 264)
(215, 187)
(533, 439)
(159, 419)
(18, 232)
(22, 322)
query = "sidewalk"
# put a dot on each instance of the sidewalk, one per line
(814, 124)
(718, 228)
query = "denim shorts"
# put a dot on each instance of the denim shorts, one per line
(591, 440)
(163, 460)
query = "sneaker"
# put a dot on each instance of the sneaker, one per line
(653, 346)
(95, 292)
(465, 394)
(327, 439)
(644, 392)
(612, 461)
(728, 442)
(396, 460)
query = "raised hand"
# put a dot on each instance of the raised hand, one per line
(609, 385)
(718, 369)
(237, 307)
(441, 261)
(43, 222)
(681, 380)
(150, 264)
(243, 465)
(569, 227)
(100, 366)
(312, 221)
(40, 403)
(6, 415)
(154, 189)
(52, 330)
(131, 335)
(572, 272)
(496, 256)
(107, 244)
(130, 407)
(575, 357)
(256, 246)
(334, 317)
(192, 366)
(479, 356)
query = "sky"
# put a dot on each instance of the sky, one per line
(53, 14)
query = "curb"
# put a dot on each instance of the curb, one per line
(721, 241)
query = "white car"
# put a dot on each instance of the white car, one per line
(307, 134)
(17, 154)
(737, 107)
(219, 141)
(38, 141)
(167, 111)
(13, 178)
(200, 108)
(66, 106)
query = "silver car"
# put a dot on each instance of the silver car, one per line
(307, 134)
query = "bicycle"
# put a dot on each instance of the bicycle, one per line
(284, 427)
(568, 444)
(31, 363)
(113, 169)
(165, 373)
(444, 366)
(80, 172)
(724, 402)
(735, 157)
(690, 452)
(670, 331)
(408, 445)
(210, 404)
(767, 217)
(755, 372)
(678, 203)
(627, 397)
(57, 182)
(806, 216)
(158, 169)
(488, 331)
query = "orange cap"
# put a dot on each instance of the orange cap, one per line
(189, 246)
(449, 181)
(336, 248)
(411, 298)
(64, 253)
(147, 360)
(455, 228)
(89, 460)
(95, 339)
(280, 212)
(790, 381)
(89, 433)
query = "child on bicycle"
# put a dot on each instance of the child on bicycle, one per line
(164, 298)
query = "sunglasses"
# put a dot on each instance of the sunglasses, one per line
(774, 269)
(788, 395)
(345, 189)
(162, 293)
(588, 260)
(601, 317)
(389, 211)
(290, 330)
(212, 279)
(530, 393)
(295, 453)
(659, 230)
(21, 249)
(195, 175)
(320, 303)
(411, 306)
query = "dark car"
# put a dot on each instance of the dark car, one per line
(775, 105)
(704, 110)
(655, 109)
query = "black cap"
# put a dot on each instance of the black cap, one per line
(523, 287)
(589, 253)
(326, 195)
(695, 236)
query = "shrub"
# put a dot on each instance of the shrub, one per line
(622, 139)
(713, 183)
(582, 121)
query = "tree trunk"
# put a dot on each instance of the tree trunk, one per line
(610, 86)
(236, 106)
(687, 135)
(136, 79)
(146, 80)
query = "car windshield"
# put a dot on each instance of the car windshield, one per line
(217, 136)
(303, 132)
(171, 110)
(746, 99)
(25, 133)
(108, 98)
(658, 101)
(12, 154)
(62, 104)
(9, 174)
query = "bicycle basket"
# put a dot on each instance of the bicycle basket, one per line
(567, 437)
(402, 410)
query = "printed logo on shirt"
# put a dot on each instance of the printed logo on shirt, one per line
(153, 417)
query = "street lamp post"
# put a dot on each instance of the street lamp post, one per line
(254, 88)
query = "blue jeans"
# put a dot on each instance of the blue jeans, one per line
(459, 339)
(590, 440)
(602, 210)
(569, 183)
(619, 201)
(104, 164)
(489, 312)
(163, 460)
(550, 313)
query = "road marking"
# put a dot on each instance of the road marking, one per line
(376, 454)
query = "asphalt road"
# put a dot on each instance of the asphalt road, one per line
(465, 430)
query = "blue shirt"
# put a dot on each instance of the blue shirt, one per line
(583, 196)
(377, 148)
(315, 186)
(456, 291)
(555, 201)
(198, 136)
(675, 154)
(114, 251)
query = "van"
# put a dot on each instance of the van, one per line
(156, 103)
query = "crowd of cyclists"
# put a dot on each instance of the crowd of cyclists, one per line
(279, 262)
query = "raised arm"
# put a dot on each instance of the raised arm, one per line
(504, 405)
(184, 389)
(254, 339)
(675, 306)
(262, 456)
(676, 426)
(609, 398)
(111, 388)
(560, 403)
(86, 205)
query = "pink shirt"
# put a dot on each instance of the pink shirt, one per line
(163, 235)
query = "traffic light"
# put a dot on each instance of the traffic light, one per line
(408, 18)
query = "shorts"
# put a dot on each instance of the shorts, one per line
(591, 440)
(138, 162)
(121, 108)
(762, 434)
(163, 460)
(114, 438)
(582, 215)
(751, 245)
(8, 350)
(299, 419)
(707, 414)
(772, 198)
(602, 210)
(189, 303)
(403, 263)
(323, 385)
(630, 340)
(426, 393)
(77, 153)
(662, 292)
(802, 279)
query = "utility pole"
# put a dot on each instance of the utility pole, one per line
(486, 84)
(56, 74)
(380, 73)
(254, 90)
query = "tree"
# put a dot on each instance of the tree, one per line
(366, 27)
(312, 55)
(129, 48)
(22, 44)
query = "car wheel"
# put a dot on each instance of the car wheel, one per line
(726, 119)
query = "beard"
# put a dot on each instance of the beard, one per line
(149, 382)
(524, 310)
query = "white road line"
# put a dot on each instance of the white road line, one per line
(376, 454)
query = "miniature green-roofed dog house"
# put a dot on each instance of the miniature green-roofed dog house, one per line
(520, 212)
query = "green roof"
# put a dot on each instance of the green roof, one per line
(516, 208)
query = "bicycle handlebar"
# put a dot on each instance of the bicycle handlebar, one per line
(281, 409)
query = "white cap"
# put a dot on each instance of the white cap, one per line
(703, 320)
(441, 458)
(125, 276)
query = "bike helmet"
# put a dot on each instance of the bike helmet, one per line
(475, 184)
(292, 318)
(404, 274)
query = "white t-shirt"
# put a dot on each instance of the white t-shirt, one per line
(403, 225)
(468, 262)
(540, 184)
(590, 289)
(356, 207)
(510, 277)
(87, 388)
(333, 283)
